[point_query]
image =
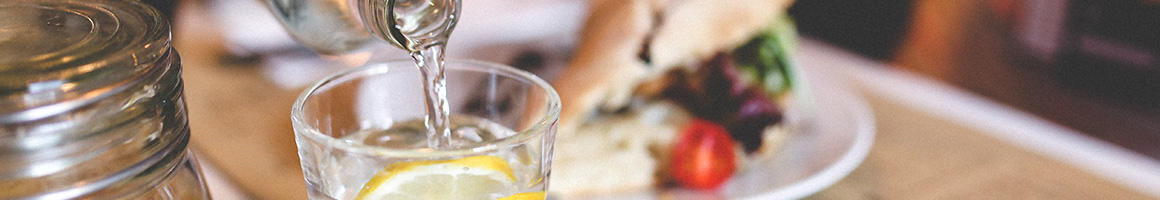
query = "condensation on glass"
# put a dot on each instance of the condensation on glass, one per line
(91, 103)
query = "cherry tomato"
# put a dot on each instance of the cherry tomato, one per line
(704, 156)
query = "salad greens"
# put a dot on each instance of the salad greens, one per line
(765, 58)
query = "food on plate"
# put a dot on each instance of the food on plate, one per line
(673, 93)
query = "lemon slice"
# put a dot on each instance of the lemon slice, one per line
(526, 196)
(476, 177)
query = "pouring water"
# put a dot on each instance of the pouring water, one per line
(422, 28)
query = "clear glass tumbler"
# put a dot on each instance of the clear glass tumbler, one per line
(91, 103)
(360, 134)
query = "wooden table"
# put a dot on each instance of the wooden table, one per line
(935, 141)
(927, 146)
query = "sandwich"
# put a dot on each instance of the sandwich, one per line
(673, 94)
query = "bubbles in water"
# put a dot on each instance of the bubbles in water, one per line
(470, 134)
(412, 134)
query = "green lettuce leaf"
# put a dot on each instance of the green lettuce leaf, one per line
(765, 59)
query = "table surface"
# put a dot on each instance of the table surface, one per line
(933, 141)
(996, 49)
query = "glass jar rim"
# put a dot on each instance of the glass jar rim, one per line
(66, 54)
(538, 128)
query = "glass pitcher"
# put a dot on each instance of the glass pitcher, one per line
(342, 26)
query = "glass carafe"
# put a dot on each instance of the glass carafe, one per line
(91, 103)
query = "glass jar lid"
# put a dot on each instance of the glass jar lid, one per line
(57, 55)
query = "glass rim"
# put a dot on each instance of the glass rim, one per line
(537, 129)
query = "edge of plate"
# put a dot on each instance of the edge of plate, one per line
(858, 110)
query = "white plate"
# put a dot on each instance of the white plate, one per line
(816, 158)
(809, 161)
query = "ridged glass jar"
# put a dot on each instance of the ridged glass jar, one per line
(91, 103)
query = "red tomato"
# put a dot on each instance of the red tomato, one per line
(703, 158)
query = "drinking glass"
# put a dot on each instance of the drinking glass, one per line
(360, 134)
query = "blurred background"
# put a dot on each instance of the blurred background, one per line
(1091, 65)
(1088, 65)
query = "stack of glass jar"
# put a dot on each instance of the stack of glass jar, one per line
(91, 103)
